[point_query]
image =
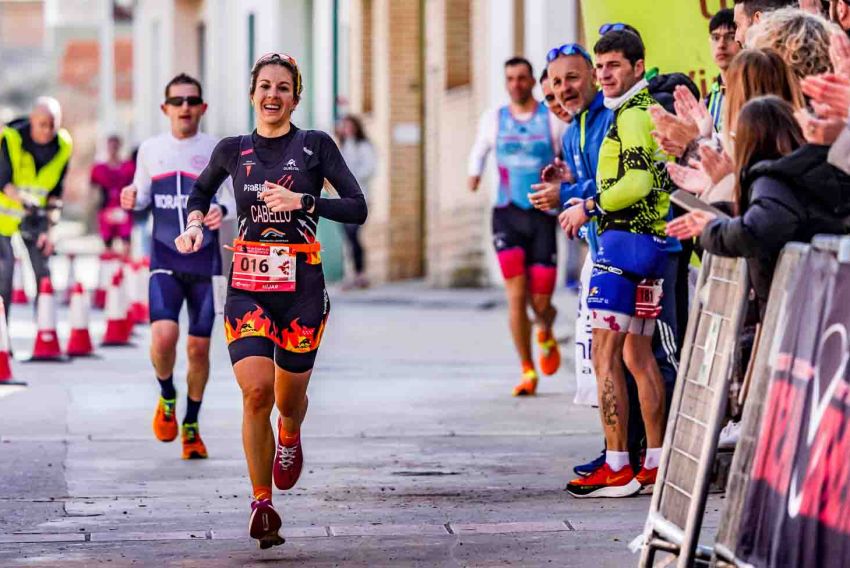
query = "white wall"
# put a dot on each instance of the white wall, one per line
(153, 51)
(322, 95)
(548, 24)
(297, 27)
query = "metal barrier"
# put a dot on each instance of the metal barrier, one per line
(697, 411)
(784, 279)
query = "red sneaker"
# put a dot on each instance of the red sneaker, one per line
(528, 386)
(646, 478)
(605, 483)
(288, 461)
(264, 524)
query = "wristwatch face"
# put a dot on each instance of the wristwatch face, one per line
(307, 201)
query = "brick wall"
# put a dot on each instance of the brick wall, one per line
(423, 221)
(390, 79)
(21, 24)
(457, 219)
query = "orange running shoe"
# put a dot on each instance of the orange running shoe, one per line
(605, 483)
(528, 386)
(550, 354)
(193, 446)
(646, 478)
(164, 422)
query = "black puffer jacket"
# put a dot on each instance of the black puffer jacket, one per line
(787, 200)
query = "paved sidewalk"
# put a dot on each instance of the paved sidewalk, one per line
(416, 454)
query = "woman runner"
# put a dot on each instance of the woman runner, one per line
(277, 305)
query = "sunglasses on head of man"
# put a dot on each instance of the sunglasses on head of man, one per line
(567, 49)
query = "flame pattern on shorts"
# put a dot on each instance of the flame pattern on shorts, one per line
(296, 338)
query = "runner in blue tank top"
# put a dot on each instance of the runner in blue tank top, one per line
(277, 306)
(526, 138)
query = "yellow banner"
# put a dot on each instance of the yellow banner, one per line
(675, 32)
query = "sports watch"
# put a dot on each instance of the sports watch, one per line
(590, 208)
(307, 202)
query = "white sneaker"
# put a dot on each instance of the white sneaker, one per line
(730, 435)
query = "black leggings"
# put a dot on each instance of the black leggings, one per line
(7, 271)
(352, 233)
(284, 326)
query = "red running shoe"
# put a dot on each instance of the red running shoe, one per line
(646, 478)
(264, 524)
(288, 461)
(605, 483)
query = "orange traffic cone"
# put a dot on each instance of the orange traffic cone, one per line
(46, 346)
(129, 290)
(79, 343)
(6, 377)
(19, 294)
(117, 330)
(108, 265)
(69, 283)
(138, 294)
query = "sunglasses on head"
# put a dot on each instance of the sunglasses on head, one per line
(194, 100)
(271, 56)
(566, 49)
(605, 28)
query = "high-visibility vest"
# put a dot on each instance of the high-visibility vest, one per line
(34, 184)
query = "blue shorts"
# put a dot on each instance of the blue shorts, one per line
(169, 290)
(636, 257)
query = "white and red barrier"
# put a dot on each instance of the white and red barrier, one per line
(70, 281)
(5, 357)
(19, 293)
(109, 264)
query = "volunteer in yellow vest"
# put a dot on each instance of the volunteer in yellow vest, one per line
(34, 155)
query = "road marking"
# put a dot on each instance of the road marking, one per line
(333, 531)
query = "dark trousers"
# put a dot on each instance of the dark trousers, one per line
(352, 235)
(7, 271)
(7, 267)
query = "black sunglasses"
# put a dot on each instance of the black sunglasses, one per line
(178, 101)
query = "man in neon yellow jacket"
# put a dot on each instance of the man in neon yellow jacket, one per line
(34, 156)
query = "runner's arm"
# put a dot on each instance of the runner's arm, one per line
(142, 180)
(557, 128)
(211, 179)
(351, 205)
(484, 142)
(637, 145)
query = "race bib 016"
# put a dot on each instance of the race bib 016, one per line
(263, 268)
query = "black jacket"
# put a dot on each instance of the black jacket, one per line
(662, 87)
(790, 199)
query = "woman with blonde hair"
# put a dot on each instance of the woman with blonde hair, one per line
(800, 38)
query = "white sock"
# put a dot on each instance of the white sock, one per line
(652, 459)
(616, 460)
